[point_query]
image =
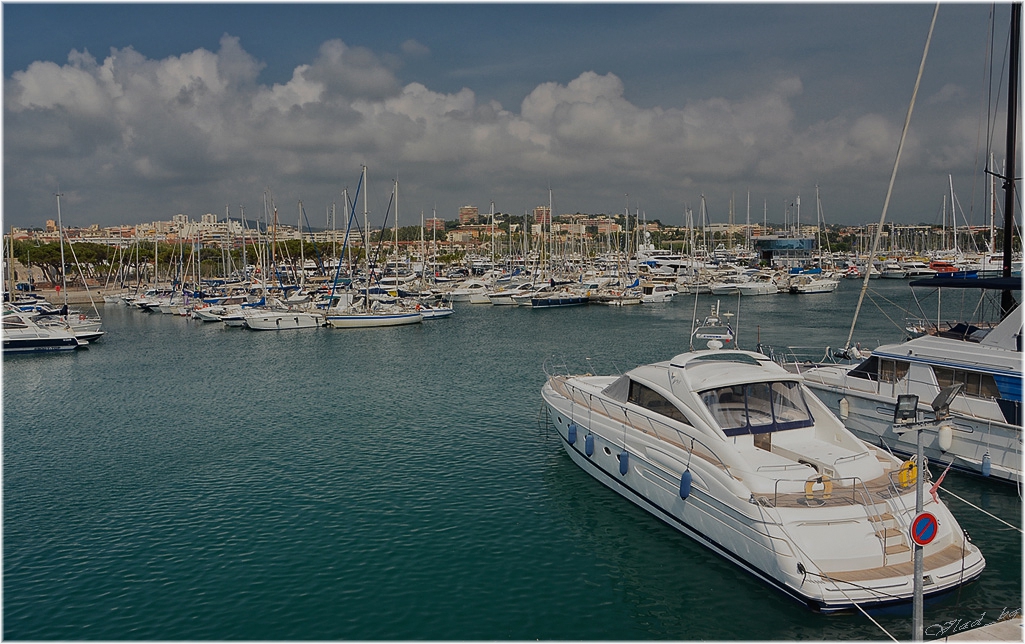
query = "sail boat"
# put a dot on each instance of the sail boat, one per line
(349, 312)
(967, 376)
(278, 315)
(83, 327)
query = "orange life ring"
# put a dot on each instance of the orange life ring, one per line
(827, 487)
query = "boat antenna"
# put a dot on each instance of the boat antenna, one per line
(893, 177)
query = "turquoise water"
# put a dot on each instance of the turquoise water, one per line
(184, 481)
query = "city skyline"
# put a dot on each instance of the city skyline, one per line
(138, 112)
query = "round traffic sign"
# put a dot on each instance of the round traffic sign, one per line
(924, 528)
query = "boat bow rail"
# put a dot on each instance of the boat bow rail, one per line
(618, 412)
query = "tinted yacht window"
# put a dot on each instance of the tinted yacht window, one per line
(649, 399)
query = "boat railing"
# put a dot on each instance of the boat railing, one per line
(641, 422)
(860, 494)
(852, 457)
(813, 498)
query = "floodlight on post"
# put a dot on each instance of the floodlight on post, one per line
(906, 410)
(941, 404)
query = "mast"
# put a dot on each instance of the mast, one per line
(953, 216)
(60, 236)
(242, 214)
(10, 265)
(747, 229)
(302, 249)
(366, 242)
(797, 224)
(1006, 297)
(886, 202)
(493, 256)
(396, 236)
(992, 187)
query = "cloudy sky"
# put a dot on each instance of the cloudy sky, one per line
(136, 112)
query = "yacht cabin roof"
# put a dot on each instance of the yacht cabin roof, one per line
(703, 370)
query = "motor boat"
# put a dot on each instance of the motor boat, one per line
(472, 291)
(762, 283)
(504, 296)
(983, 433)
(22, 335)
(733, 450)
(654, 292)
(805, 284)
(892, 269)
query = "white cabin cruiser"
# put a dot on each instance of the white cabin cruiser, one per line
(731, 449)
(21, 334)
(983, 434)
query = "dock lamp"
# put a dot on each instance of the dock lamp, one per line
(906, 410)
(941, 404)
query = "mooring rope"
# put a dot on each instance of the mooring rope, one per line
(989, 514)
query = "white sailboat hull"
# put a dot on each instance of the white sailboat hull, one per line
(278, 320)
(356, 321)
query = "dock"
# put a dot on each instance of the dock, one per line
(1008, 630)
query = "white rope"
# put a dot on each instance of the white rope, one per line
(992, 516)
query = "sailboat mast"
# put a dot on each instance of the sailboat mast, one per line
(953, 215)
(1006, 297)
(302, 249)
(366, 242)
(396, 233)
(60, 237)
(10, 264)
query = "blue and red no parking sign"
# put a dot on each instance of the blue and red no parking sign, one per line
(924, 528)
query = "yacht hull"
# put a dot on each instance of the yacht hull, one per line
(848, 549)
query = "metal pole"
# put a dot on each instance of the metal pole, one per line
(1007, 298)
(918, 618)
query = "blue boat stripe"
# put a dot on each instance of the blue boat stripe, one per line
(1009, 386)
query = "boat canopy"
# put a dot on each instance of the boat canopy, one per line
(758, 407)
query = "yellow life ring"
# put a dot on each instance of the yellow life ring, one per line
(827, 487)
(907, 474)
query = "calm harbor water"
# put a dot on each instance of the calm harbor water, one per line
(185, 481)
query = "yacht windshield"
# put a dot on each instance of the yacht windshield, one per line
(758, 408)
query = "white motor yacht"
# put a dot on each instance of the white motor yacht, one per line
(23, 335)
(806, 284)
(983, 434)
(655, 292)
(472, 291)
(734, 451)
